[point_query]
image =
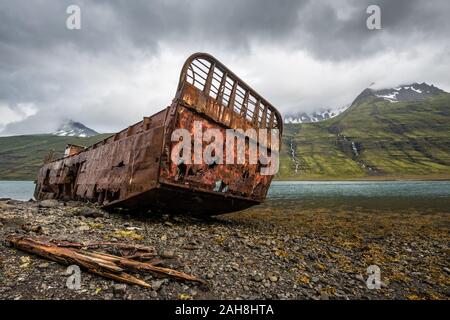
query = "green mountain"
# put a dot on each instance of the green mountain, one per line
(399, 133)
(21, 156)
(387, 134)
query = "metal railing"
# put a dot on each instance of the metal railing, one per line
(216, 81)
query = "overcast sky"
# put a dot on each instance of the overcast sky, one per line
(124, 63)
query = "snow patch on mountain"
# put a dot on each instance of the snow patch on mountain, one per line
(390, 97)
(409, 92)
(71, 128)
(316, 116)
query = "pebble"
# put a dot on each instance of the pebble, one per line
(324, 296)
(272, 277)
(256, 278)
(90, 213)
(312, 256)
(83, 228)
(156, 284)
(167, 254)
(109, 296)
(193, 292)
(120, 289)
(49, 203)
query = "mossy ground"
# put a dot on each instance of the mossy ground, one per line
(409, 244)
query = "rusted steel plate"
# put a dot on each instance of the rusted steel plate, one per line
(238, 179)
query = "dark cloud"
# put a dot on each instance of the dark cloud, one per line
(62, 72)
(321, 27)
(316, 26)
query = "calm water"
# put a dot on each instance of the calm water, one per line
(19, 190)
(381, 194)
(386, 195)
(370, 189)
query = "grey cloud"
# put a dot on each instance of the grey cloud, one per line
(327, 36)
(42, 62)
(312, 25)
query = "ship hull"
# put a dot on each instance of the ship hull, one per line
(134, 168)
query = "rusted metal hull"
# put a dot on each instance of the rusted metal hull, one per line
(133, 168)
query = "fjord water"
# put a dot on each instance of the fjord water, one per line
(369, 194)
(318, 189)
(18, 190)
(387, 194)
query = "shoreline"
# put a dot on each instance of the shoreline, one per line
(367, 180)
(358, 189)
(273, 251)
(319, 180)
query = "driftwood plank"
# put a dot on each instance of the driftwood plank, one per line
(68, 256)
(103, 264)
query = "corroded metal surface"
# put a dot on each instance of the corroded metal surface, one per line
(133, 168)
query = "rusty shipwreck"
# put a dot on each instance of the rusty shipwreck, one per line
(133, 168)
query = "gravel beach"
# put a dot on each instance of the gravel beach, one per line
(273, 251)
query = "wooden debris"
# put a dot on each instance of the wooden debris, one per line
(125, 250)
(103, 264)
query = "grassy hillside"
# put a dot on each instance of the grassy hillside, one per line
(373, 139)
(21, 156)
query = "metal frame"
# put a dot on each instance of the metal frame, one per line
(219, 83)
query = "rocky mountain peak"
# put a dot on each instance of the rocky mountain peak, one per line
(70, 128)
(411, 92)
